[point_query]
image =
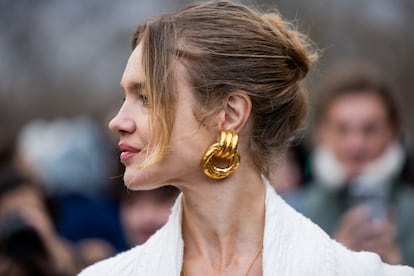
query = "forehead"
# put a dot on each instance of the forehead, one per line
(357, 108)
(134, 72)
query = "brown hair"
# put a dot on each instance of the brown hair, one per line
(227, 47)
(356, 78)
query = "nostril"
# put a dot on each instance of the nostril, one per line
(122, 132)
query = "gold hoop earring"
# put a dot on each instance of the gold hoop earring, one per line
(225, 149)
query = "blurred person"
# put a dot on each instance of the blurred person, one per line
(29, 243)
(72, 158)
(142, 213)
(213, 95)
(357, 194)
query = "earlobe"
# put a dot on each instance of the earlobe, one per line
(236, 112)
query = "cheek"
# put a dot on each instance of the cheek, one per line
(143, 131)
(185, 157)
(331, 139)
(378, 145)
(188, 145)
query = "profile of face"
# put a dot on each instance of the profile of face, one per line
(188, 139)
(144, 212)
(357, 129)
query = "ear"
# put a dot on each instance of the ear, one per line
(236, 112)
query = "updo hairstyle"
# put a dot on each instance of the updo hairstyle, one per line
(227, 47)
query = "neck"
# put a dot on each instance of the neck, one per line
(224, 220)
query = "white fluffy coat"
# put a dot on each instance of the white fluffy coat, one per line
(293, 246)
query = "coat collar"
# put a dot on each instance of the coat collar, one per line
(292, 244)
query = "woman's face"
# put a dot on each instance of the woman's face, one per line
(188, 141)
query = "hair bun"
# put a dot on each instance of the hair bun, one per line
(298, 48)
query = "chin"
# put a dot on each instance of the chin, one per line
(139, 180)
(133, 179)
(354, 171)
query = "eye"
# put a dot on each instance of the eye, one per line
(144, 99)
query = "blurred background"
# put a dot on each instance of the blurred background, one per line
(65, 58)
(60, 67)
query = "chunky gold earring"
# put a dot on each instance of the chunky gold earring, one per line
(225, 149)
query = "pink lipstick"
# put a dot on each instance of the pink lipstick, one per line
(127, 152)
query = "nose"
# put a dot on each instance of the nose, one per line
(355, 145)
(122, 123)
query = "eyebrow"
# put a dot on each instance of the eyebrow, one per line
(133, 86)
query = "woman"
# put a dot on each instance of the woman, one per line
(219, 69)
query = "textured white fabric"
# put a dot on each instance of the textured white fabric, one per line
(293, 246)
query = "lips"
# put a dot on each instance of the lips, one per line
(127, 152)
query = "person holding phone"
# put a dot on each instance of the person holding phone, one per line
(358, 194)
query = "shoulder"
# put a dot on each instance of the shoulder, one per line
(366, 263)
(312, 252)
(121, 264)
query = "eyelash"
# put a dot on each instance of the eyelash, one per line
(144, 99)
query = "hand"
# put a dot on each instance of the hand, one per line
(27, 203)
(357, 232)
(59, 249)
